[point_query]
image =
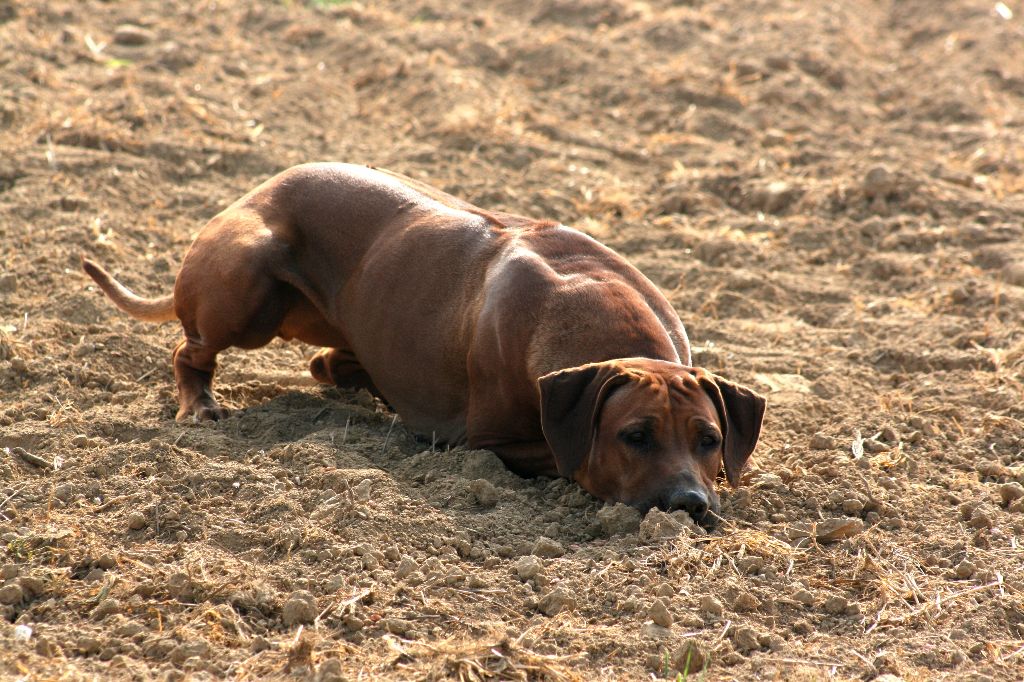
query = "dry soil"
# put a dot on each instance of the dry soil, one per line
(831, 194)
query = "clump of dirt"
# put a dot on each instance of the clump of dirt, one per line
(831, 194)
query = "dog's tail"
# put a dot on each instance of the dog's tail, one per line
(148, 309)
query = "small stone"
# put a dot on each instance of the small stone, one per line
(483, 464)
(11, 594)
(137, 521)
(556, 601)
(835, 604)
(106, 561)
(630, 605)
(873, 446)
(656, 663)
(1009, 492)
(8, 283)
(181, 654)
(829, 530)
(675, 201)
(688, 658)
(981, 519)
(455, 576)
(889, 435)
(19, 365)
(658, 525)
(64, 492)
(485, 492)
(879, 182)
(529, 567)
(405, 567)
(665, 590)
(1013, 273)
(852, 506)
(9, 571)
(711, 606)
(83, 349)
(175, 57)
(396, 626)
(95, 575)
(804, 597)
(432, 566)
(655, 631)
(659, 614)
(181, 587)
(80, 441)
(820, 441)
(299, 608)
(774, 197)
(991, 468)
(745, 601)
(773, 137)
(33, 586)
(548, 548)
(105, 608)
(89, 646)
(329, 671)
(130, 629)
(618, 519)
(361, 491)
(745, 639)
(132, 35)
(965, 569)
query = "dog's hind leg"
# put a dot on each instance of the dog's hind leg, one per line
(194, 364)
(225, 295)
(339, 367)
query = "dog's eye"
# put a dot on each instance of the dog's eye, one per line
(708, 441)
(637, 438)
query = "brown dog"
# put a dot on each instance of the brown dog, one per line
(522, 337)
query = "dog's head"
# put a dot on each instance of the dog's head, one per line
(650, 433)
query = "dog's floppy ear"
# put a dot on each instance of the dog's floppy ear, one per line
(570, 400)
(741, 412)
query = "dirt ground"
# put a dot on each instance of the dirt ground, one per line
(831, 194)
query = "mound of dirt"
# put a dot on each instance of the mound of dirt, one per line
(831, 194)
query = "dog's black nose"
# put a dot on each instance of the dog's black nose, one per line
(693, 502)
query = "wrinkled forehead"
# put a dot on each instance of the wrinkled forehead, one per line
(675, 395)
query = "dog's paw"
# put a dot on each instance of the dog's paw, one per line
(319, 367)
(202, 412)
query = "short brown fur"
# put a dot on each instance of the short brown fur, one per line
(524, 337)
